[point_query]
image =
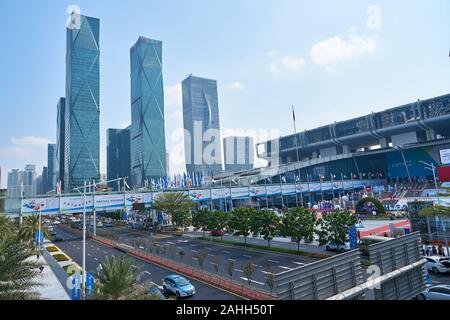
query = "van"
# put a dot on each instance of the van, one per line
(365, 242)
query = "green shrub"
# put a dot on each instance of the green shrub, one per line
(60, 257)
(365, 262)
(179, 234)
(71, 269)
(52, 249)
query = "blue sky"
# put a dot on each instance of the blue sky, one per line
(331, 59)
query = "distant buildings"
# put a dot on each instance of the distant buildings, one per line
(15, 179)
(238, 153)
(148, 145)
(82, 105)
(201, 126)
(51, 168)
(29, 181)
(118, 155)
(60, 140)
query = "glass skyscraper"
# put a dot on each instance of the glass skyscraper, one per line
(148, 145)
(60, 137)
(82, 135)
(201, 124)
(118, 155)
(51, 168)
(238, 153)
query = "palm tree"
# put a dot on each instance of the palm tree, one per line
(30, 225)
(119, 281)
(17, 271)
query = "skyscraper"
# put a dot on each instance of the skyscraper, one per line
(118, 155)
(29, 181)
(60, 137)
(15, 179)
(238, 153)
(82, 133)
(148, 145)
(201, 126)
(51, 168)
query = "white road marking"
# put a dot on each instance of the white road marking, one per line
(105, 252)
(172, 243)
(299, 263)
(286, 268)
(211, 255)
(247, 256)
(133, 266)
(89, 255)
(232, 259)
(257, 265)
(274, 261)
(238, 270)
(95, 259)
(193, 250)
(147, 272)
(252, 281)
(266, 272)
(226, 252)
(78, 248)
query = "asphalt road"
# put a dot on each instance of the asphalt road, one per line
(214, 253)
(96, 252)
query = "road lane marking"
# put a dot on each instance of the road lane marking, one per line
(238, 270)
(169, 242)
(226, 252)
(89, 255)
(211, 255)
(266, 272)
(95, 259)
(193, 250)
(133, 266)
(243, 278)
(257, 265)
(286, 268)
(274, 261)
(247, 256)
(147, 272)
(232, 259)
(299, 263)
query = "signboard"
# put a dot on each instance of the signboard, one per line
(288, 189)
(45, 205)
(89, 283)
(273, 190)
(75, 204)
(109, 201)
(445, 156)
(353, 237)
(240, 193)
(219, 194)
(36, 237)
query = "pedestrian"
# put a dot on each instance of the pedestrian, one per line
(434, 250)
(423, 252)
(427, 251)
(441, 250)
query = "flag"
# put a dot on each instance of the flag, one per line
(126, 184)
(283, 178)
(95, 185)
(293, 113)
(58, 187)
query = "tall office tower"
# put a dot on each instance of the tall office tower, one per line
(51, 168)
(15, 179)
(82, 114)
(201, 126)
(148, 144)
(118, 155)
(238, 153)
(60, 137)
(29, 181)
(168, 164)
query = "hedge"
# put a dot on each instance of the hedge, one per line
(260, 247)
(60, 257)
(52, 249)
(377, 203)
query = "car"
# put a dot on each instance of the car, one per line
(178, 285)
(342, 247)
(217, 233)
(56, 222)
(52, 233)
(108, 225)
(58, 239)
(437, 292)
(438, 264)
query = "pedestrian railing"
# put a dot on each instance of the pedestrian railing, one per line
(216, 280)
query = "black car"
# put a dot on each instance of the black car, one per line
(58, 239)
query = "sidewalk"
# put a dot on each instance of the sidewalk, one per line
(50, 288)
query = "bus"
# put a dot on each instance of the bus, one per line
(365, 242)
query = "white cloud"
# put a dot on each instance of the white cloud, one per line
(237, 85)
(272, 53)
(293, 64)
(30, 142)
(332, 50)
(173, 96)
(274, 68)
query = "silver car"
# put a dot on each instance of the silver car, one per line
(437, 292)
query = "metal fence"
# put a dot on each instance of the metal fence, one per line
(322, 279)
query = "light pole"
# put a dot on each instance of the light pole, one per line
(432, 167)
(83, 279)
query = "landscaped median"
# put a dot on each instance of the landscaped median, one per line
(63, 260)
(274, 249)
(235, 287)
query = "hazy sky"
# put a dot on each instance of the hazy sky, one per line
(331, 59)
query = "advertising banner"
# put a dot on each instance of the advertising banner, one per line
(110, 201)
(445, 156)
(259, 191)
(288, 189)
(75, 204)
(273, 190)
(217, 194)
(132, 198)
(240, 193)
(46, 205)
(200, 195)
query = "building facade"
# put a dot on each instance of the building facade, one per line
(148, 145)
(82, 105)
(29, 181)
(15, 179)
(118, 155)
(238, 153)
(51, 168)
(60, 140)
(201, 126)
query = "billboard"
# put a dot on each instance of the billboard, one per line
(46, 205)
(200, 195)
(110, 201)
(75, 204)
(445, 156)
(219, 194)
(240, 193)
(288, 190)
(258, 191)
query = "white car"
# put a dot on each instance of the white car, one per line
(56, 222)
(437, 292)
(342, 248)
(438, 264)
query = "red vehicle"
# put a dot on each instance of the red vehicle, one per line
(217, 233)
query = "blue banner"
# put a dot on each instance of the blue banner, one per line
(353, 237)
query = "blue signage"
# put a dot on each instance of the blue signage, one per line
(36, 237)
(76, 288)
(89, 283)
(353, 237)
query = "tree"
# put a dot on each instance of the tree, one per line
(200, 219)
(17, 270)
(182, 218)
(240, 222)
(218, 221)
(270, 278)
(334, 226)
(268, 224)
(435, 211)
(248, 270)
(175, 204)
(117, 279)
(216, 264)
(30, 225)
(299, 224)
(229, 268)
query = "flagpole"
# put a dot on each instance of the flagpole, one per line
(298, 157)
(93, 210)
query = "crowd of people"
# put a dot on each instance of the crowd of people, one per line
(431, 250)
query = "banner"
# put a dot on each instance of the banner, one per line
(273, 190)
(240, 193)
(258, 191)
(75, 204)
(110, 201)
(288, 189)
(46, 205)
(200, 195)
(218, 194)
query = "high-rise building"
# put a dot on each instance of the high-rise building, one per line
(82, 114)
(51, 168)
(148, 145)
(238, 153)
(60, 143)
(201, 126)
(15, 179)
(118, 155)
(168, 164)
(29, 181)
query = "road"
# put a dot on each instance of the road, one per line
(263, 262)
(96, 252)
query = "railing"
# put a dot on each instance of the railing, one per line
(210, 278)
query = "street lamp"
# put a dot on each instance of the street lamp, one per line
(432, 167)
(83, 279)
